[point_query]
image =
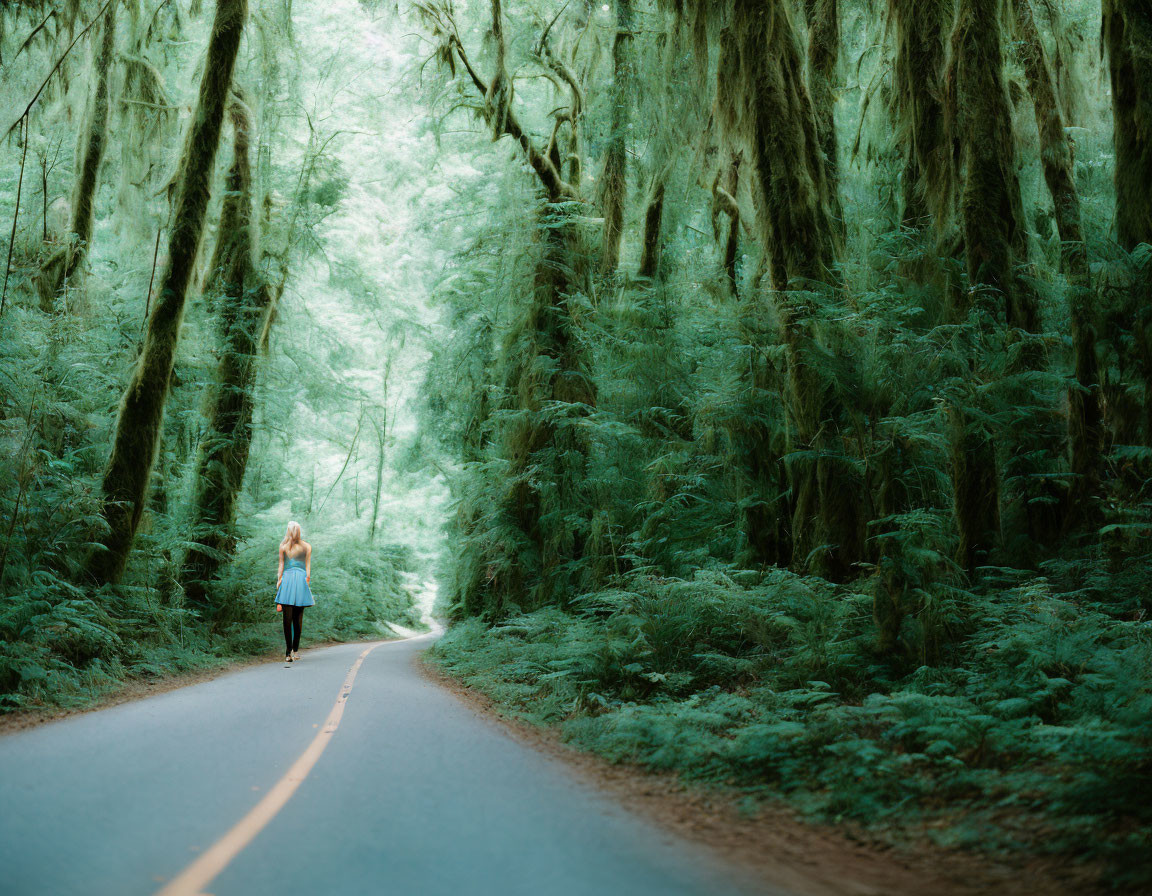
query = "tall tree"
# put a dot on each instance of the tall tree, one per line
(1128, 41)
(992, 214)
(243, 300)
(921, 30)
(614, 182)
(765, 102)
(62, 265)
(995, 244)
(542, 447)
(141, 414)
(1084, 421)
(823, 61)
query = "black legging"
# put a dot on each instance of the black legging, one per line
(293, 618)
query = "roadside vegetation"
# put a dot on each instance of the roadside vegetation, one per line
(204, 333)
(798, 400)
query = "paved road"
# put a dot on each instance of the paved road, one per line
(415, 793)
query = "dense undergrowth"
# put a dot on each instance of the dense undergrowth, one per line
(820, 472)
(1034, 737)
(283, 410)
(64, 643)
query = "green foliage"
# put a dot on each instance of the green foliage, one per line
(772, 683)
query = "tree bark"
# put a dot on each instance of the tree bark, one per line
(1128, 40)
(823, 61)
(921, 30)
(976, 489)
(770, 106)
(64, 264)
(1084, 421)
(732, 239)
(614, 184)
(243, 303)
(137, 434)
(652, 249)
(381, 428)
(991, 211)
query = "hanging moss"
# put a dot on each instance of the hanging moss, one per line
(243, 301)
(614, 180)
(137, 435)
(980, 119)
(63, 265)
(823, 61)
(1128, 41)
(1084, 419)
(921, 28)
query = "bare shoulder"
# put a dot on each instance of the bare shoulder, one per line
(307, 547)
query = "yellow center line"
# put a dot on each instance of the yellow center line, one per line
(193, 879)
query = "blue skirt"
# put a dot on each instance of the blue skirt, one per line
(294, 590)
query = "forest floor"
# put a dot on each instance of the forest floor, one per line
(775, 844)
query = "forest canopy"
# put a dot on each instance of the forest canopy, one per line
(766, 385)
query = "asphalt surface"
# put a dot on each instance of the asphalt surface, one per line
(416, 793)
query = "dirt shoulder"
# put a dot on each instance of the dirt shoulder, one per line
(775, 845)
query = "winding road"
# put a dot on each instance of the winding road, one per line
(321, 778)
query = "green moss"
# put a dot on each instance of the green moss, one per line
(1035, 719)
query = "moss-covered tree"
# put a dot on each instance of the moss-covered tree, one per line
(1128, 42)
(614, 179)
(766, 104)
(546, 383)
(63, 264)
(823, 62)
(991, 213)
(137, 434)
(242, 300)
(1084, 420)
(920, 32)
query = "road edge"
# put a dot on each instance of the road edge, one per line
(774, 844)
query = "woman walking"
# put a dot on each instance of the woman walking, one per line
(292, 591)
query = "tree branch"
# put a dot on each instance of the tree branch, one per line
(505, 122)
(59, 62)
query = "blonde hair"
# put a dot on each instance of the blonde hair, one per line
(292, 536)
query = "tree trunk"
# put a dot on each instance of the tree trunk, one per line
(921, 30)
(823, 61)
(546, 447)
(976, 489)
(1084, 421)
(732, 239)
(653, 222)
(547, 391)
(243, 304)
(995, 241)
(991, 212)
(142, 407)
(768, 103)
(1128, 40)
(614, 186)
(64, 264)
(381, 433)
